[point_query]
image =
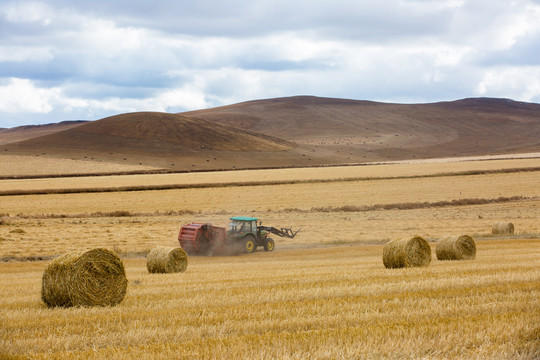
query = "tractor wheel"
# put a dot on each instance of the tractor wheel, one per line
(249, 244)
(269, 245)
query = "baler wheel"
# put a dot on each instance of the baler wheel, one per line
(269, 245)
(249, 244)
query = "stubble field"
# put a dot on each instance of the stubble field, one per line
(325, 294)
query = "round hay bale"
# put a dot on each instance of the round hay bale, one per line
(87, 278)
(456, 248)
(406, 252)
(166, 260)
(502, 228)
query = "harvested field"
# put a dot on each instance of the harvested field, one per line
(324, 294)
(138, 234)
(319, 303)
(39, 164)
(302, 196)
(223, 178)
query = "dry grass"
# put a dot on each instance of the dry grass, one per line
(15, 165)
(272, 175)
(50, 236)
(139, 234)
(319, 303)
(307, 299)
(279, 197)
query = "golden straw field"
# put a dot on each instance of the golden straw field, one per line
(323, 295)
(282, 196)
(223, 177)
(46, 165)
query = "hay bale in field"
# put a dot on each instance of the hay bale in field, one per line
(502, 228)
(456, 248)
(166, 260)
(406, 252)
(88, 278)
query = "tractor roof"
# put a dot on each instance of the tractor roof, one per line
(243, 218)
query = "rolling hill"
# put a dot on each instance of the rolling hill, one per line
(157, 139)
(381, 131)
(293, 131)
(21, 133)
(157, 132)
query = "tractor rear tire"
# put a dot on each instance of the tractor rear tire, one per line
(269, 245)
(249, 244)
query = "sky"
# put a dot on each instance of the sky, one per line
(88, 59)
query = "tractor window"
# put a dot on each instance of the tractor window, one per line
(243, 226)
(235, 225)
(246, 226)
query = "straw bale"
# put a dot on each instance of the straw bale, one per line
(406, 252)
(87, 278)
(456, 248)
(166, 260)
(502, 228)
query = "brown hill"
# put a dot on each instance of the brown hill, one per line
(317, 131)
(156, 131)
(157, 139)
(21, 133)
(381, 131)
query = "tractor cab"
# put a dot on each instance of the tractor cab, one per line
(241, 226)
(243, 232)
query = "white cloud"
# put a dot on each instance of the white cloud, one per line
(21, 95)
(108, 39)
(27, 12)
(63, 59)
(447, 56)
(524, 22)
(173, 100)
(21, 53)
(510, 82)
(189, 97)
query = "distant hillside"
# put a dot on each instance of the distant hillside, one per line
(158, 139)
(381, 131)
(294, 131)
(21, 133)
(307, 116)
(147, 131)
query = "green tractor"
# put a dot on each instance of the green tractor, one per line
(245, 232)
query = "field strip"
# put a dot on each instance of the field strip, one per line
(315, 173)
(301, 196)
(61, 186)
(307, 303)
(13, 167)
(30, 166)
(34, 235)
(325, 209)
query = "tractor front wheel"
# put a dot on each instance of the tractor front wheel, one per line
(249, 244)
(269, 245)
